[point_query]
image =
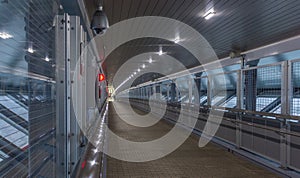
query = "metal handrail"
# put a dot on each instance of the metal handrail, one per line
(243, 111)
(291, 133)
(84, 167)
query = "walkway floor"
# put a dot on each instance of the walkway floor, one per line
(187, 161)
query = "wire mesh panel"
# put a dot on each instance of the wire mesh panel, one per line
(295, 110)
(262, 93)
(295, 103)
(262, 88)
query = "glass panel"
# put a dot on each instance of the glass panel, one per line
(13, 105)
(12, 134)
(27, 93)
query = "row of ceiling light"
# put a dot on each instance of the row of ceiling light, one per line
(209, 14)
(150, 61)
(143, 67)
(160, 53)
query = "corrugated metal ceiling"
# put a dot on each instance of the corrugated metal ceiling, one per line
(238, 25)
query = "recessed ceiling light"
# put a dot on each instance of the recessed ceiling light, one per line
(47, 59)
(177, 40)
(160, 52)
(134, 73)
(93, 162)
(30, 50)
(95, 151)
(209, 14)
(139, 70)
(150, 60)
(5, 35)
(144, 66)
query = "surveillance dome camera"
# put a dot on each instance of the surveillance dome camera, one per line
(99, 22)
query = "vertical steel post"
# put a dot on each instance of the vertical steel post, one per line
(209, 90)
(286, 91)
(240, 96)
(190, 87)
(250, 77)
(63, 94)
(75, 45)
(173, 91)
(158, 91)
(68, 94)
(240, 101)
(198, 88)
(83, 68)
(154, 91)
(168, 93)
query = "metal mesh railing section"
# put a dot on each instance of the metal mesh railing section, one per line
(260, 130)
(294, 145)
(262, 88)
